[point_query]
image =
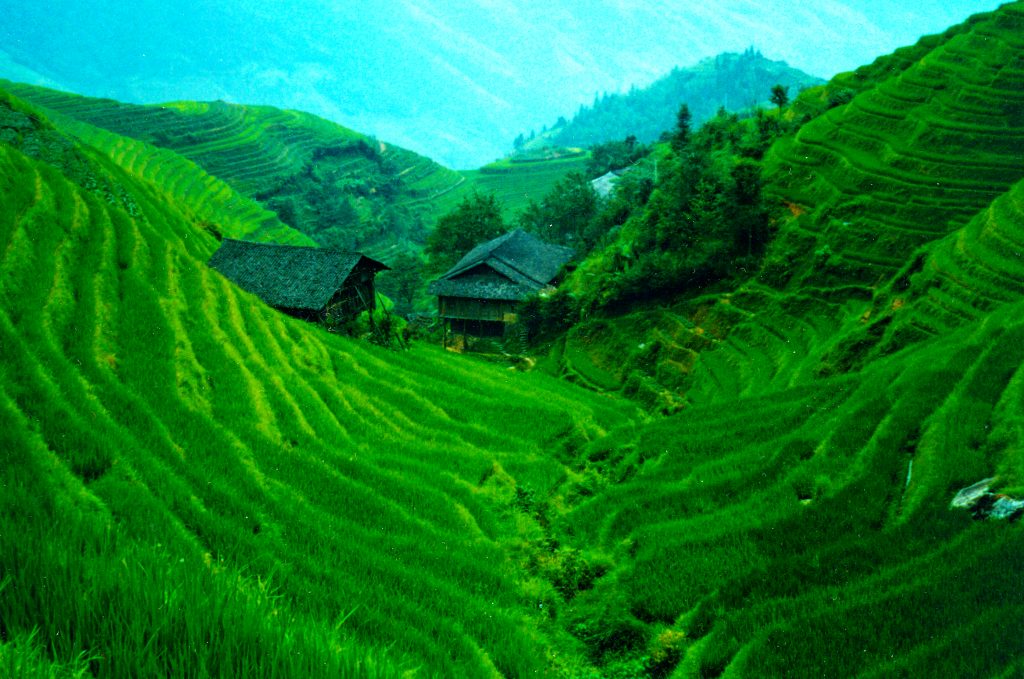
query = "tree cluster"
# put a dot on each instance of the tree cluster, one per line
(615, 155)
(705, 222)
(475, 220)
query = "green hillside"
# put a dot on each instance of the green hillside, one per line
(795, 519)
(933, 138)
(337, 186)
(197, 485)
(515, 184)
(911, 159)
(234, 480)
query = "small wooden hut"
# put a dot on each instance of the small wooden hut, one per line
(306, 282)
(478, 296)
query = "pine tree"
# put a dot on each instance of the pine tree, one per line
(681, 137)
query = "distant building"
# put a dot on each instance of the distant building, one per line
(605, 184)
(306, 282)
(478, 296)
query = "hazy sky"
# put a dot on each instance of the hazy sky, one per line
(455, 79)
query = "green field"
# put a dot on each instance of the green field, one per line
(197, 485)
(515, 184)
(266, 154)
(331, 183)
(234, 477)
(909, 160)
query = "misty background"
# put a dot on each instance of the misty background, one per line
(456, 80)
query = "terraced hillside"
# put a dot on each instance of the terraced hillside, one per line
(515, 184)
(796, 519)
(197, 485)
(909, 160)
(807, 532)
(244, 493)
(932, 136)
(947, 285)
(335, 185)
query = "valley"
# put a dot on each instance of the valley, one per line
(747, 472)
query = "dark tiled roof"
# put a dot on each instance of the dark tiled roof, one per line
(288, 276)
(525, 263)
(482, 286)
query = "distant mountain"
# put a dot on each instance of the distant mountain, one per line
(735, 81)
(453, 80)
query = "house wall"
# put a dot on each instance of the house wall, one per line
(465, 308)
(356, 295)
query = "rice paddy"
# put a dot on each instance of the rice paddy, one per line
(196, 485)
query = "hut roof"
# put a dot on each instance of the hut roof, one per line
(525, 263)
(288, 276)
(605, 184)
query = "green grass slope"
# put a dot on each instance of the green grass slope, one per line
(951, 283)
(795, 519)
(910, 159)
(196, 484)
(867, 189)
(515, 184)
(331, 183)
(807, 532)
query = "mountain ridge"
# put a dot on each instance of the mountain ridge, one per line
(736, 82)
(366, 68)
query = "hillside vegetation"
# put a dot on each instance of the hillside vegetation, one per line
(198, 485)
(911, 159)
(515, 184)
(244, 493)
(858, 194)
(795, 519)
(732, 81)
(339, 187)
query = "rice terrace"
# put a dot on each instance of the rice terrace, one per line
(283, 399)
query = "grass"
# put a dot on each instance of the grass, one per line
(516, 184)
(195, 484)
(303, 169)
(915, 157)
(355, 481)
(756, 527)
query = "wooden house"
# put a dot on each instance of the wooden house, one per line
(478, 296)
(306, 282)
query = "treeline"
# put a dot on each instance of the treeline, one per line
(345, 196)
(689, 216)
(738, 82)
(686, 213)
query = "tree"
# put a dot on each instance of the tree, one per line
(473, 221)
(403, 282)
(780, 97)
(681, 137)
(749, 214)
(614, 155)
(565, 213)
